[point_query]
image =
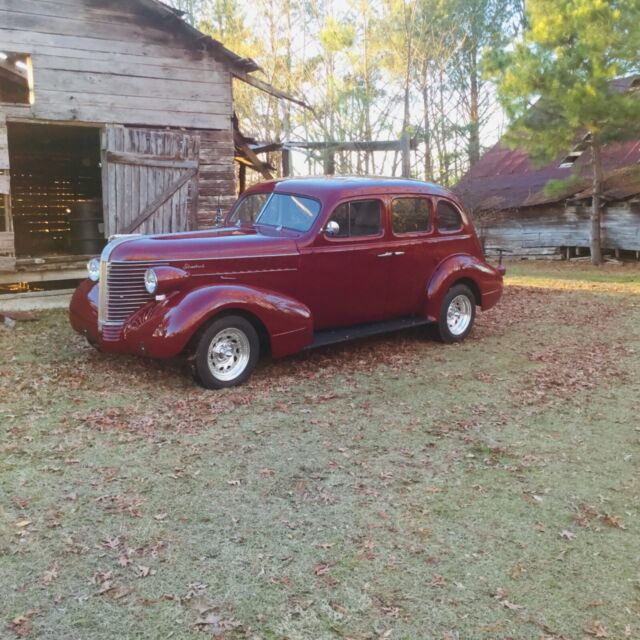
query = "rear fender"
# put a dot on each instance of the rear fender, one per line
(481, 275)
(174, 322)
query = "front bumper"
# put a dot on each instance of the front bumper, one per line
(142, 334)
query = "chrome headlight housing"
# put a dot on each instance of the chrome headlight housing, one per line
(150, 281)
(93, 269)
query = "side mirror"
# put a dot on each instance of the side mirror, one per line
(332, 228)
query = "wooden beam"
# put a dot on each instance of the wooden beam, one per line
(268, 148)
(21, 75)
(160, 200)
(374, 145)
(267, 88)
(249, 153)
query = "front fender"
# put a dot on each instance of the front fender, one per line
(486, 279)
(166, 330)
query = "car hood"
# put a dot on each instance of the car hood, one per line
(223, 243)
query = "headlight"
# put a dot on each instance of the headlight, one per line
(150, 281)
(93, 267)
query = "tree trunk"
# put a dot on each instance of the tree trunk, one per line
(444, 150)
(428, 167)
(474, 112)
(596, 203)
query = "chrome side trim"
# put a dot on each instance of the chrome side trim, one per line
(211, 258)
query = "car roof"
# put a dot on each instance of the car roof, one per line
(338, 187)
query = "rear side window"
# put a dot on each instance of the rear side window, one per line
(411, 215)
(358, 218)
(449, 218)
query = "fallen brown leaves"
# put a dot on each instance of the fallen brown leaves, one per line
(21, 624)
(612, 521)
(597, 630)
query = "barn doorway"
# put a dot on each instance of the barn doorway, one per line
(56, 189)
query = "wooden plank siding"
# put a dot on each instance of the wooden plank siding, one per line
(103, 62)
(541, 230)
(7, 238)
(217, 186)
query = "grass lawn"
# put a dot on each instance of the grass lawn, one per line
(392, 488)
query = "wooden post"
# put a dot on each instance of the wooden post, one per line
(286, 162)
(329, 162)
(242, 178)
(405, 148)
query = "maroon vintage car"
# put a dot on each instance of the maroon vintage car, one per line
(300, 263)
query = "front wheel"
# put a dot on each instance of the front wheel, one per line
(226, 353)
(457, 313)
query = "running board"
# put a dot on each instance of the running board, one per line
(335, 336)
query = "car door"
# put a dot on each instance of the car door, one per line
(412, 243)
(346, 274)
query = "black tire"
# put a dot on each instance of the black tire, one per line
(233, 353)
(444, 331)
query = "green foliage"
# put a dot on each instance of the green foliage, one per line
(371, 70)
(556, 84)
(562, 188)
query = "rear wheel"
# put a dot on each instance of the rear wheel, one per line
(457, 313)
(226, 353)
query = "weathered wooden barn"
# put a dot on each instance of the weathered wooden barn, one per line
(505, 192)
(116, 116)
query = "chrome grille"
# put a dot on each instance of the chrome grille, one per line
(125, 290)
(111, 333)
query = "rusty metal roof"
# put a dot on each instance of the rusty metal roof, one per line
(507, 179)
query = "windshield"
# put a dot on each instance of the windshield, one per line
(247, 208)
(289, 212)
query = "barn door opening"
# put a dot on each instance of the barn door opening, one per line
(56, 190)
(150, 180)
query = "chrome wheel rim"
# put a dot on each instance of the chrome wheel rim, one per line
(459, 315)
(228, 354)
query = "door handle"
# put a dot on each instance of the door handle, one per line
(387, 254)
(399, 253)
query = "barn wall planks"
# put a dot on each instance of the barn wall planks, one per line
(112, 62)
(217, 186)
(7, 251)
(621, 226)
(537, 230)
(7, 237)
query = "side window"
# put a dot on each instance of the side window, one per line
(449, 218)
(358, 218)
(411, 215)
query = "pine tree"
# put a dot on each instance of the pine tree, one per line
(556, 84)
